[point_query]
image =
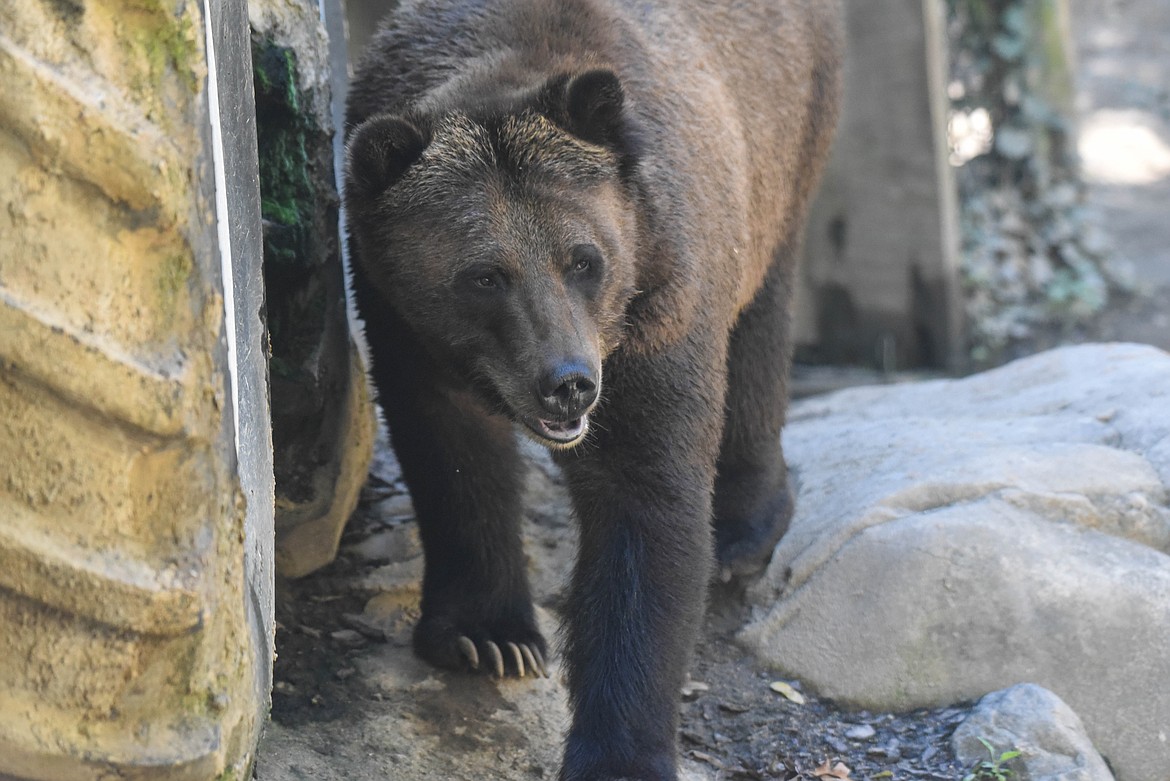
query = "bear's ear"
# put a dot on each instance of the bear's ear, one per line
(379, 152)
(591, 106)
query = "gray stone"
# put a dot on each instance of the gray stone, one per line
(397, 507)
(860, 732)
(958, 537)
(1030, 719)
(396, 544)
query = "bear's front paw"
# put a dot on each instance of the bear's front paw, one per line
(619, 757)
(499, 648)
(600, 775)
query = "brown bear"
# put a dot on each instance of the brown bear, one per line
(579, 219)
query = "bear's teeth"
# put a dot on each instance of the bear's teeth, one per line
(563, 430)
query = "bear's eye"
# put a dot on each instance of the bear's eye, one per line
(585, 257)
(483, 278)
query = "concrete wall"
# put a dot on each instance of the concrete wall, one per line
(135, 503)
(880, 279)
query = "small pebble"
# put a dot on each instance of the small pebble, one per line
(395, 507)
(734, 707)
(364, 627)
(953, 715)
(838, 745)
(860, 732)
(891, 752)
(348, 637)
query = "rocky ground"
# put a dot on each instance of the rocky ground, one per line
(344, 667)
(1011, 527)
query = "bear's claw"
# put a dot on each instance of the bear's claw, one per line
(468, 649)
(530, 656)
(517, 658)
(526, 657)
(497, 658)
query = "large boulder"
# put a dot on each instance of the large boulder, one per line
(953, 538)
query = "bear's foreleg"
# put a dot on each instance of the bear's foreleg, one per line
(753, 504)
(642, 491)
(464, 473)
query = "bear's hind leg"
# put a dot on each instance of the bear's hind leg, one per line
(753, 503)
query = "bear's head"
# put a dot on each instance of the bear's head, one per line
(503, 234)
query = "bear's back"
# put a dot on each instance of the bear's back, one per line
(735, 103)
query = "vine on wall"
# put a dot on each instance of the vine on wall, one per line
(1036, 267)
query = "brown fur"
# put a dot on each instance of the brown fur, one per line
(554, 198)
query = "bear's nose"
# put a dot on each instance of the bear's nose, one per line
(568, 389)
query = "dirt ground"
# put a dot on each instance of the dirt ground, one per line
(344, 671)
(332, 702)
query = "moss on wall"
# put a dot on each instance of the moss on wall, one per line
(284, 134)
(302, 268)
(299, 217)
(321, 423)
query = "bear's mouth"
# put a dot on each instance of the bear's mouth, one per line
(561, 432)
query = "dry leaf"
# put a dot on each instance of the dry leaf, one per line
(703, 756)
(780, 687)
(839, 770)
